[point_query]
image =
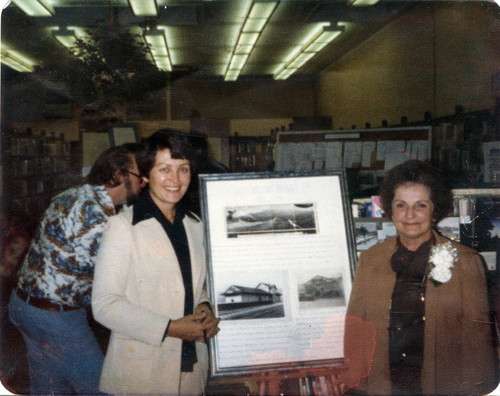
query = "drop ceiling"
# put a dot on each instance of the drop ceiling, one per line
(202, 34)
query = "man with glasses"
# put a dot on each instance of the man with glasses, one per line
(49, 305)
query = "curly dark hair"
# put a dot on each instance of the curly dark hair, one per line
(420, 172)
(166, 138)
(104, 170)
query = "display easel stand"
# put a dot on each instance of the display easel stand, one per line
(308, 382)
(322, 381)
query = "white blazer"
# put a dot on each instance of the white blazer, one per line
(138, 287)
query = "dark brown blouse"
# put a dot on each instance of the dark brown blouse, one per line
(407, 318)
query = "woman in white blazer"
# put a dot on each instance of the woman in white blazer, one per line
(149, 285)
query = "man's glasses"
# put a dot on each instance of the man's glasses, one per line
(134, 174)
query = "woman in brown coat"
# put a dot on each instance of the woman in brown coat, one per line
(418, 319)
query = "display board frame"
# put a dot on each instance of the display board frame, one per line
(123, 133)
(272, 240)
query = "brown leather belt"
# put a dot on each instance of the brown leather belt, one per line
(42, 303)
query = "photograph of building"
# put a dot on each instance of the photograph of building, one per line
(321, 291)
(243, 302)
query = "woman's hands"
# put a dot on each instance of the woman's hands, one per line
(209, 321)
(197, 327)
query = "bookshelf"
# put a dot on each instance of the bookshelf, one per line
(250, 153)
(36, 167)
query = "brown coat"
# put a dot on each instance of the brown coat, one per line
(458, 345)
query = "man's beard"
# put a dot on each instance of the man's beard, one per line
(130, 196)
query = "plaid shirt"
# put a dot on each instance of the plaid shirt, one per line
(60, 263)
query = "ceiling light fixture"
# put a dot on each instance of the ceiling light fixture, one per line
(158, 47)
(66, 37)
(38, 8)
(144, 8)
(362, 3)
(320, 39)
(258, 15)
(17, 61)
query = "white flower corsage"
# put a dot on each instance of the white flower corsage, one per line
(442, 258)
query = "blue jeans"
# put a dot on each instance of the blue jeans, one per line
(63, 354)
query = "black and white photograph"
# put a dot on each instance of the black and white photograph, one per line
(251, 296)
(366, 234)
(321, 291)
(482, 230)
(299, 217)
(371, 232)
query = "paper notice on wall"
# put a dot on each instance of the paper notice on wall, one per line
(395, 153)
(352, 154)
(380, 155)
(334, 155)
(318, 155)
(367, 155)
(420, 150)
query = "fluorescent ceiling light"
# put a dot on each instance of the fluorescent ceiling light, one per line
(247, 39)
(144, 7)
(362, 3)
(157, 44)
(65, 36)
(232, 75)
(255, 21)
(39, 8)
(300, 60)
(243, 49)
(238, 61)
(262, 9)
(254, 25)
(163, 63)
(284, 74)
(17, 61)
(314, 44)
(322, 40)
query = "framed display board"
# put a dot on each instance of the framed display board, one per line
(122, 133)
(281, 253)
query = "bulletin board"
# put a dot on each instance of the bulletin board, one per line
(366, 149)
(367, 152)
